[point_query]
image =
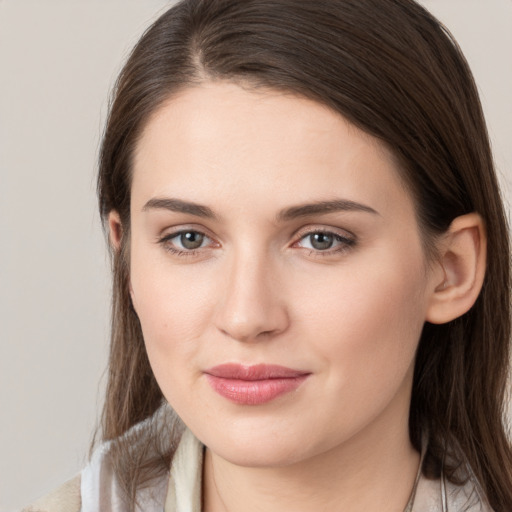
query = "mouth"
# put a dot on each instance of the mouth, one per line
(253, 385)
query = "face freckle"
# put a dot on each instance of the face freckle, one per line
(310, 259)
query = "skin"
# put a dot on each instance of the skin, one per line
(258, 290)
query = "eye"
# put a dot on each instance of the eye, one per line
(190, 239)
(185, 242)
(320, 241)
(325, 242)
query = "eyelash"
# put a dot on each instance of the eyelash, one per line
(345, 243)
(166, 243)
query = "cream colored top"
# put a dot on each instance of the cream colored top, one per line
(96, 489)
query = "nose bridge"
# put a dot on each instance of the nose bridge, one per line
(252, 304)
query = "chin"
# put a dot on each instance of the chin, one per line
(257, 445)
(258, 454)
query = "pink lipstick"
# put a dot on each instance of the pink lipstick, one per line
(253, 385)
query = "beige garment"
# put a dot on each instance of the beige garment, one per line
(184, 490)
(65, 499)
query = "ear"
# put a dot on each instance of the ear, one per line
(115, 230)
(463, 257)
(115, 234)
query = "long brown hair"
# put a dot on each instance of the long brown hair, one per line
(393, 70)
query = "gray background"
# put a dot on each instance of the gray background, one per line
(58, 60)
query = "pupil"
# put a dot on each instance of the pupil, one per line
(322, 241)
(191, 240)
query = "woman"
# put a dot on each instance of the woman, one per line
(311, 268)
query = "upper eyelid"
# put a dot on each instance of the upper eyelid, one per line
(171, 232)
(344, 233)
(344, 240)
(166, 237)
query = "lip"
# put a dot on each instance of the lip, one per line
(253, 385)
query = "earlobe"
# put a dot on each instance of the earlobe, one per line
(463, 260)
(115, 230)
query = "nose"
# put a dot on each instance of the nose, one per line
(252, 307)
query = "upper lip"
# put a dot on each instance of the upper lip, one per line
(254, 372)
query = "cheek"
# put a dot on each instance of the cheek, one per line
(167, 298)
(163, 310)
(173, 309)
(171, 326)
(367, 322)
(363, 333)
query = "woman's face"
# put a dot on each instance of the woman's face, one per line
(278, 273)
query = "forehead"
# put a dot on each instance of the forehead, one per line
(222, 142)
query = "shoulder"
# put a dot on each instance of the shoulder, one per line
(98, 486)
(64, 499)
(468, 497)
(440, 494)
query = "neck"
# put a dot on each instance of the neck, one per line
(375, 470)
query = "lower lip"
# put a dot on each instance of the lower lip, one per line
(254, 392)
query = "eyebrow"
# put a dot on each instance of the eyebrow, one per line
(322, 208)
(287, 214)
(179, 206)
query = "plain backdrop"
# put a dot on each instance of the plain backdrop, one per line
(58, 61)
